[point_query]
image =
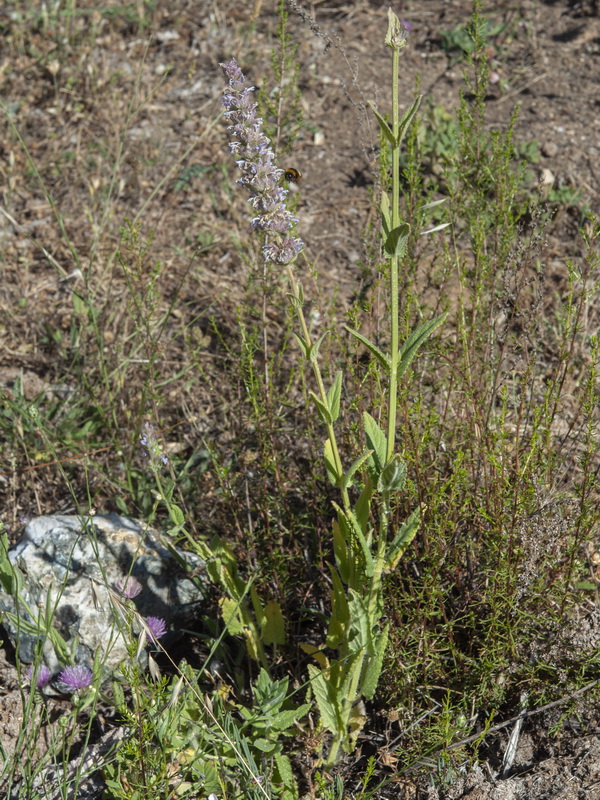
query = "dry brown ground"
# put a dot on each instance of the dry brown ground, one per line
(110, 115)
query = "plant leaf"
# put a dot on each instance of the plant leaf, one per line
(273, 631)
(284, 775)
(340, 615)
(383, 126)
(395, 243)
(314, 350)
(334, 394)
(330, 464)
(383, 359)
(323, 410)
(372, 670)
(376, 442)
(340, 551)
(295, 301)
(302, 343)
(11, 577)
(402, 539)
(407, 119)
(327, 699)
(392, 476)
(356, 465)
(317, 653)
(359, 635)
(363, 505)
(231, 618)
(349, 524)
(386, 215)
(411, 346)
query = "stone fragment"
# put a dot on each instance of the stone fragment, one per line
(73, 571)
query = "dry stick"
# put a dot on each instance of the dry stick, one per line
(522, 715)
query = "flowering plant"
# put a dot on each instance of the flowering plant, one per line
(362, 552)
(259, 173)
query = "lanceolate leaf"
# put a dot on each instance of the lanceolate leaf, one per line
(314, 350)
(349, 522)
(333, 396)
(363, 505)
(372, 669)
(285, 775)
(340, 615)
(411, 346)
(383, 359)
(302, 343)
(406, 120)
(386, 215)
(359, 637)
(384, 126)
(324, 412)
(330, 464)
(327, 699)
(376, 441)
(402, 539)
(356, 465)
(340, 551)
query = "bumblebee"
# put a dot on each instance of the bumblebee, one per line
(292, 175)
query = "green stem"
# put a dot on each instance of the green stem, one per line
(393, 385)
(319, 378)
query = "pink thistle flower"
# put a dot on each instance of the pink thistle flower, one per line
(157, 628)
(74, 678)
(128, 587)
(39, 675)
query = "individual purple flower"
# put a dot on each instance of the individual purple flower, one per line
(128, 587)
(74, 678)
(157, 627)
(406, 25)
(259, 173)
(152, 447)
(40, 675)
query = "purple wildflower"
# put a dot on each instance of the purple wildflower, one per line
(128, 587)
(407, 25)
(259, 173)
(157, 627)
(152, 447)
(74, 678)
(39, 675)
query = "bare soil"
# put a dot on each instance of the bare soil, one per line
(105, 91)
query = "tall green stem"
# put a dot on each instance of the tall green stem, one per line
(319, 378)
(393, 386)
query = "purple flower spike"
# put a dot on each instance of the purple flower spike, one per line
(255, 159)
(74, 678)
(152, 447)
(39, 675)
(157, 628)
(128, 587)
